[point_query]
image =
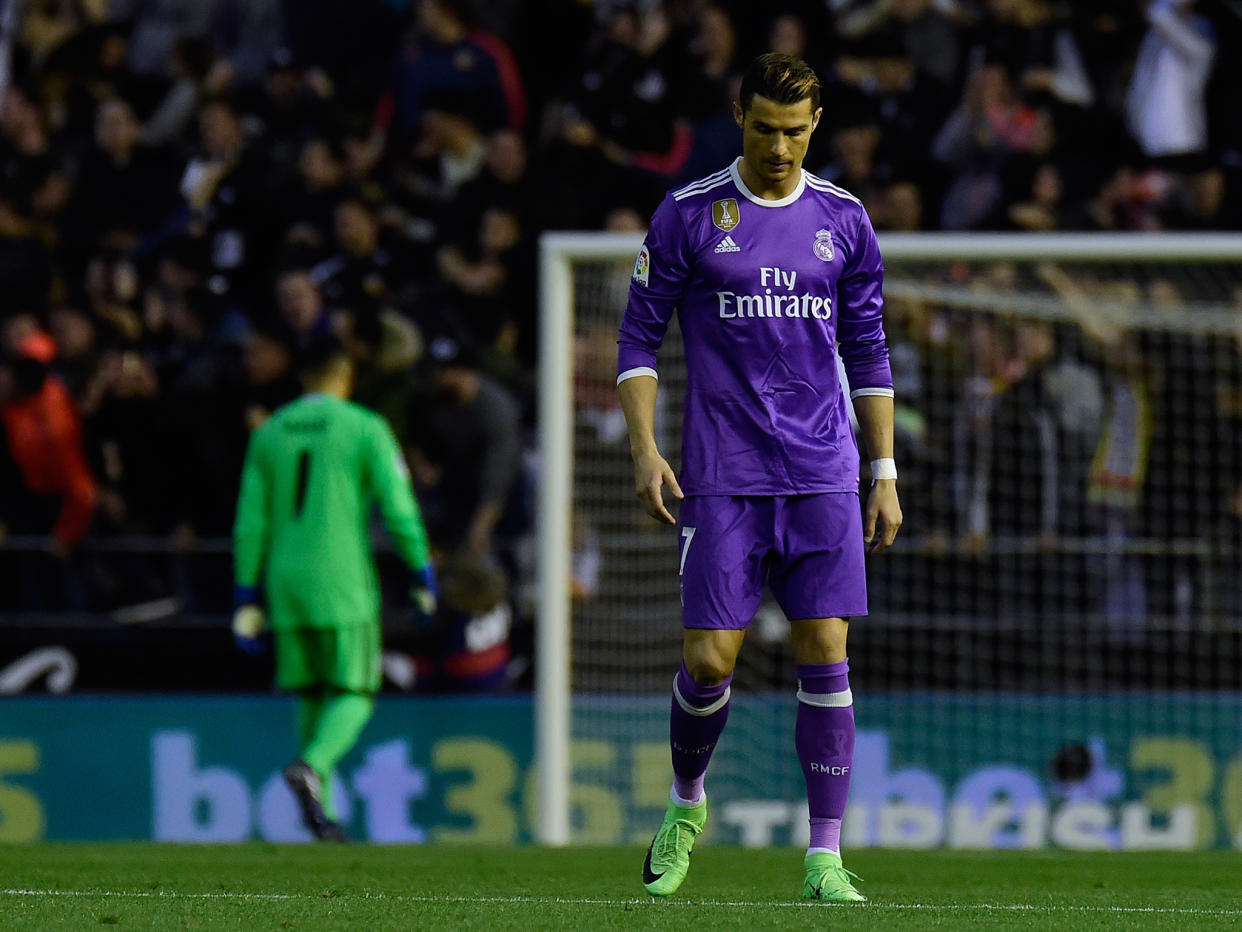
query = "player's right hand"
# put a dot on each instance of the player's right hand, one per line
(248, 628)
(425, 595)
(651, 473)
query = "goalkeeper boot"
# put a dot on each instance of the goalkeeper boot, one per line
(333, 831)
(308, 788)
(668, 858)
(828, 881)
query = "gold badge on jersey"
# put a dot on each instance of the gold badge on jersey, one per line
(724, 214)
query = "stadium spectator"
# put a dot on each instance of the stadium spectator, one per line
(1166, 106)
(370, 265)
(1046, 424)
(26, 261)
(899, 207)
(853, 166)
(385, 348)
(50, 489)
(354, 44)
(466, 448)
(715, 45)
(77, 347)
(46, 27)
(990, 126)
(204, 373)
(1043, 210)
(469, 646)
(248, 34)
(191, 78)
(292, 102)
(448, 52)
(624, 127)
(928, 32)
(301, 306)
(1038, 49)
(309, 196)
(125, 190)
(227, 189)
(450, 151)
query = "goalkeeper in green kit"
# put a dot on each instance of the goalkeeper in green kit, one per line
(303, 564)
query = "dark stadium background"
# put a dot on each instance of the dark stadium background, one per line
(190, 190)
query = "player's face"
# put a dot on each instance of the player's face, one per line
(775, 137)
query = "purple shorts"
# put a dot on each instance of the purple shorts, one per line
(808, 548)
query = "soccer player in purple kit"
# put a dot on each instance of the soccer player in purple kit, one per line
(772, 272)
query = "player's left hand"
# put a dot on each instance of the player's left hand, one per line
(883, 516)
(248, 627)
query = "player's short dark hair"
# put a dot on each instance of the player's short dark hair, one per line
(318, 356)
(785, 79)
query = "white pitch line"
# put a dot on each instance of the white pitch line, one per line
(599, 901)
(158, 894)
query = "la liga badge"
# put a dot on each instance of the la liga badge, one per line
(642, 265)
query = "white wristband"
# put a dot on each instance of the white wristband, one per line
(884, 468)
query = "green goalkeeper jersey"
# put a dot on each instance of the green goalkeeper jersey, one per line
(312, 476)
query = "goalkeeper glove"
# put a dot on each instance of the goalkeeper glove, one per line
(424, 594)
(248, 622)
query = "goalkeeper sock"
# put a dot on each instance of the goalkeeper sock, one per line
(696, 722)
(824, 735)
(341, 719)
(310, 708)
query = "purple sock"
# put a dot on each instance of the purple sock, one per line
(698, 717)
(824, 734)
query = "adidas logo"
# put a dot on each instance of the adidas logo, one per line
(727, 245)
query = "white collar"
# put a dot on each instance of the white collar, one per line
(763, 201)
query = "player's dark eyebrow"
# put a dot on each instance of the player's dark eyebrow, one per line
(760, 125)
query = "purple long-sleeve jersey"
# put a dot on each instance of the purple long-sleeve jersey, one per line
(765, 292)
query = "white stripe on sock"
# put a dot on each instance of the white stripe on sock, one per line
(841, 700)
(694, 710)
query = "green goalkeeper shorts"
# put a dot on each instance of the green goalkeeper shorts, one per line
(316, 658)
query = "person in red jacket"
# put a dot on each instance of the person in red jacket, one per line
(43, 433)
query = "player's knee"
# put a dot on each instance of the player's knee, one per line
(708, 668)
(820, 641)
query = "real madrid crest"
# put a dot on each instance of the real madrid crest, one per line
(823, 245)
(724, 214)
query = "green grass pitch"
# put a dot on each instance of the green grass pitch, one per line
(257, 886)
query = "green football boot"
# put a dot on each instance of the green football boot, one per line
(828, 881)
(668, 858)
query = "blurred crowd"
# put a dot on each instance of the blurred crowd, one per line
(190, 190)
(1074, 449)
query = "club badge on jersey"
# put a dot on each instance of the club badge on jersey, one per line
(823, 245)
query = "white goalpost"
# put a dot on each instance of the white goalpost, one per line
(1119, 281)
(557, 253)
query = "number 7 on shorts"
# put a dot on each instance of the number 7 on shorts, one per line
(688, 534)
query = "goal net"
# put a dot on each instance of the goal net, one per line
(1060, 622)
